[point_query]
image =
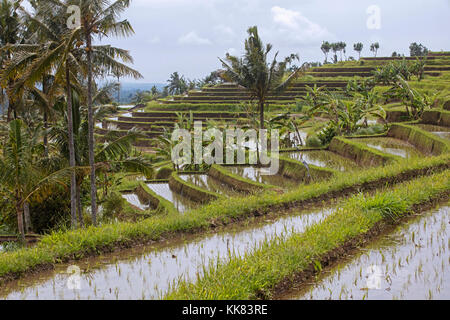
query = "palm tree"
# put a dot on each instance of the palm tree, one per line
(358, 47)
(34, 61)
(99, 17)
(177, 84)
(9, 34)
(326, 47)
(254, 73)
(374, 48)
(115, 154)
(21, 173)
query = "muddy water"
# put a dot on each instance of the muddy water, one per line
(135, 201)
(392, 146)
(324, 159)
(207, 182)
(148, 272)
(443, 132)
(257, 175)
(181, 203)
(411, 263)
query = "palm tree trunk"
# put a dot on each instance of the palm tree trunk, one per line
(73, 179)
(79, 207)
(45, 90)
(261, 114)
(45, 135)
(20, 227)
(26, 214)
(91, 141)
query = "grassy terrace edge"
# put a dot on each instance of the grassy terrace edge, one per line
(67, 245)
(276, 264)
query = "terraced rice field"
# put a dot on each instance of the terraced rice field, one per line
(411, 263)
(147, 273)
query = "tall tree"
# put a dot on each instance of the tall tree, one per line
(255, 73)
(10, 29)
(326, 47)
(358, 47)
(54, 55)
(374, 48)
(335, 49)
(417, 50)
(99, 18)
(177, 84)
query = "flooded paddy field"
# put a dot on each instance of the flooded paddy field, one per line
(148, 272)
(413, 262)
(323, 159)
(260, 175)
(392, 146)
(209, 183)
(443, 132)
(180, 202)
(135, 201)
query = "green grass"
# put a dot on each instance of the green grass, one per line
(255, 274)
(76, 244)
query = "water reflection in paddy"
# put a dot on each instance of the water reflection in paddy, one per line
(262, 175)
(411, 263)
(135, 201)
(324, 159)
(146, 273)
(209, 183)
(181, 203)
(443, 132)
(392, 146)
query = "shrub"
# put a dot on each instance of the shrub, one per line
(327, 134)
(113, 205)
(313, 142)
(51, 212)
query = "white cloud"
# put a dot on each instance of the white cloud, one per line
(154, 40)
(224, 30)
(224, 34)
(192, 38)
(295, 27)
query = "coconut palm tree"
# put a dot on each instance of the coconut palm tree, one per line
(114, 154)
(33, 61)
(99, 17)
(256, 74)
(21, 172)
(10, 31)
(177, 84)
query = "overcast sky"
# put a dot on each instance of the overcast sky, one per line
(188, 35)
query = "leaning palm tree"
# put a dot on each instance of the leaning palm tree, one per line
(256, 74)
